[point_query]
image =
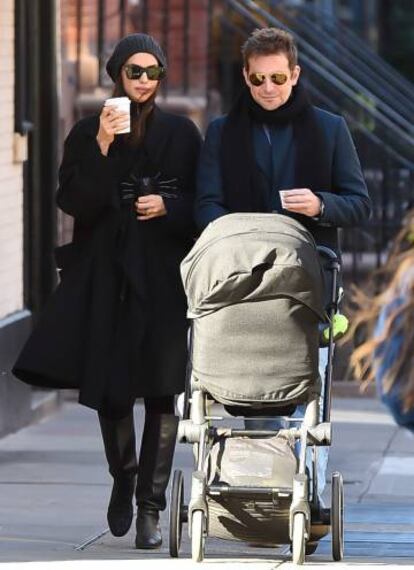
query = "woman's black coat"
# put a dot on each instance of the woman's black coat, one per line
(115, 327)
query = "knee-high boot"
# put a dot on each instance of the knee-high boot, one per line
(155, 462)
(119, 442)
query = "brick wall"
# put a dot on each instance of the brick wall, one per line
(196, 62)
(197, 34)
(11, 184)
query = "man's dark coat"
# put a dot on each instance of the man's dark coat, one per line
(115, 327)
(345, 198)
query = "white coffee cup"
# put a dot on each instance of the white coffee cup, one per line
(283, 194)
(121, 104)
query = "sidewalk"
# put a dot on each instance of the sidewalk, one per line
(54, 490)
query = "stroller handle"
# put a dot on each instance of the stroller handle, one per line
(332, 263)
(330, 255)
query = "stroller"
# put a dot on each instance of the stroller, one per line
(255, 285)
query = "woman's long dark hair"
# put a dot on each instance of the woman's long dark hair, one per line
(140, 114)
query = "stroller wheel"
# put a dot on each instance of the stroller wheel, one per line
(198, 522)
(176, 513)
(298, 538)
(337, 517)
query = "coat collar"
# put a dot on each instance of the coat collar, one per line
(262, 151)
(157, 135)
(150, 155)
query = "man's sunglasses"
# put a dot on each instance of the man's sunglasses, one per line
(258, 79)
(134, 71)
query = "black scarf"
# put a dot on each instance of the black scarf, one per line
(242, 189)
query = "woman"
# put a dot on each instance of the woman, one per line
(386, 322)
(115, 327)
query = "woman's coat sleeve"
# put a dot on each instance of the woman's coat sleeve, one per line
(86, 176)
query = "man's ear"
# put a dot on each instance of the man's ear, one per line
(295, 74)
(246, 75)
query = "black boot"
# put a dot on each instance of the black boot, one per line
(155, 462)
(119, 441)
(120, 509)
(148, 529)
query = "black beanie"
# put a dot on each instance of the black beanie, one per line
(134, 43)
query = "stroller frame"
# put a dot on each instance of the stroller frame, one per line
(308, 522)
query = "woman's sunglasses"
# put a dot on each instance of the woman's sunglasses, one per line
(134, 71)
(258, 79)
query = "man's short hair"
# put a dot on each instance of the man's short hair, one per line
(270, 41)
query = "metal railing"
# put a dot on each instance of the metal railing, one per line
(320, 66)
(325, 20)
(167, 36)
(349, 52)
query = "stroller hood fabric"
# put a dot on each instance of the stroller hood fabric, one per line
(254, 287)
(248, 257)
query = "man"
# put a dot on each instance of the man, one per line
(273, 139)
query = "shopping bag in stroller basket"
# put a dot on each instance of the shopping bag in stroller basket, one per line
(254, 286)
(255, 462)
(252, 463)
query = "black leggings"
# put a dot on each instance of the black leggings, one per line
(160, 405)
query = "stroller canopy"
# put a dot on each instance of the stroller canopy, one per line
(251, 257)
(254, 285)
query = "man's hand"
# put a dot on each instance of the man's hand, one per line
(149, 207)
(302, 201)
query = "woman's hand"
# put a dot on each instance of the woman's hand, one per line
(149, 207)
(111, 122)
